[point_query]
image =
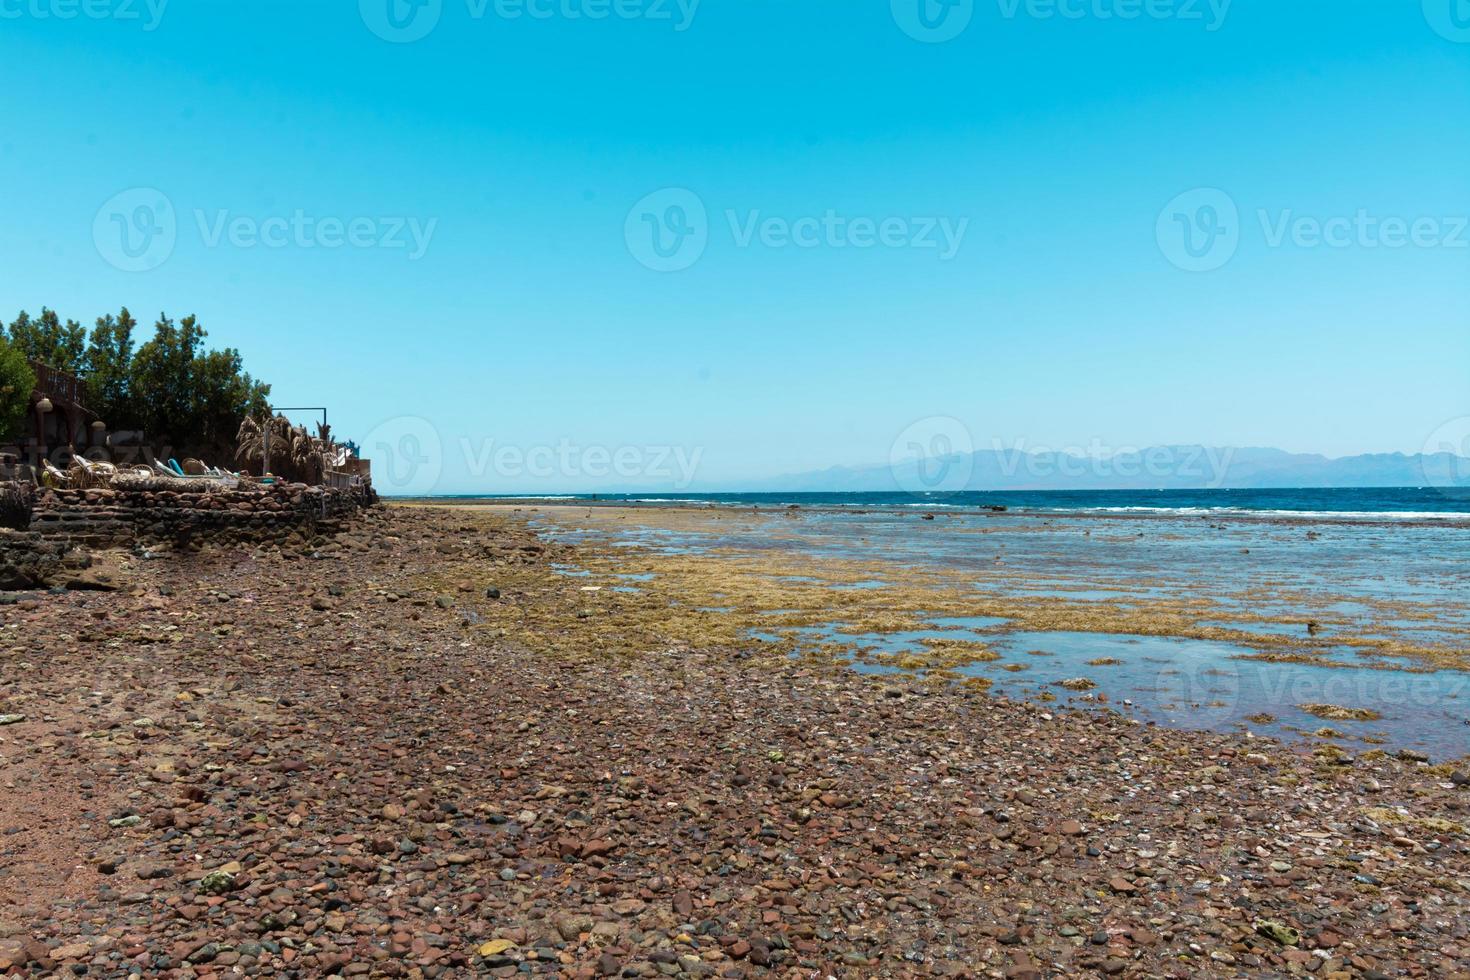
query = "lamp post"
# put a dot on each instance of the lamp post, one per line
(42, 407)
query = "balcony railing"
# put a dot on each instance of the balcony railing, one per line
(58, 385)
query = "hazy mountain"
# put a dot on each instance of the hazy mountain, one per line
(1159, 467)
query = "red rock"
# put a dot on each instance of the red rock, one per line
(594, 848)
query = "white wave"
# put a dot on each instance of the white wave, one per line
(1392, 515)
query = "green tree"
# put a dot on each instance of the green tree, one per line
(193, 397)
(106, 366)
(48, 340)
(172, 387)
(161, 378)
(16, 383)
(224, 394)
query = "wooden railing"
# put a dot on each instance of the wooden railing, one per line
(58, 385)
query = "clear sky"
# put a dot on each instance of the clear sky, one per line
(867, 214)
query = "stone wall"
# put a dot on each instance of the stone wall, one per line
(194, 515)
(17, 500)
(28, 561)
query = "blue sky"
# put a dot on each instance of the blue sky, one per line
(284, 155)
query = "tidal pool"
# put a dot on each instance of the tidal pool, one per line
(1189, 683)
(1112, 604)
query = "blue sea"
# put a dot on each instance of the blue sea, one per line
(1347, 502)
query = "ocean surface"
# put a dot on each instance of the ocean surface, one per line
(1377, 502)
(1359, 576)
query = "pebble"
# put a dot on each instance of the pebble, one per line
(404, 791)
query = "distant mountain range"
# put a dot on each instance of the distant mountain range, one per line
(1159, 467)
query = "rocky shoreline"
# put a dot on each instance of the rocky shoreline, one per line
(415, 749)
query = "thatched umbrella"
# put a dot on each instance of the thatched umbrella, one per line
(294, 453)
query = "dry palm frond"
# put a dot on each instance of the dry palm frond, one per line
(86, 474)
(247, 441)
(295, 454)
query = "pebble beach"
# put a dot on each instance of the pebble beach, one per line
(422, 749)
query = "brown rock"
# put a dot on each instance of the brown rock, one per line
(683, 904)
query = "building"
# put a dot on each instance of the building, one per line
(59, 418)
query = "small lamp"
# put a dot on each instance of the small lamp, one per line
(44, 405)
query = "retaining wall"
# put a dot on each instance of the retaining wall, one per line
(189, 516)
(29, 561)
